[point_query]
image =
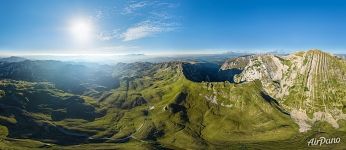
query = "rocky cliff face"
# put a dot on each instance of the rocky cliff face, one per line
(310, 85)
(237, 63)
(270, 70)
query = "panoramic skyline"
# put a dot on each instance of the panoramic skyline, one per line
(160, 27)
(172, 74)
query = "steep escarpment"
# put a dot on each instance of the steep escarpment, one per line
(181, 104)
(270, 70)
(237, 63)
(310, 85)
(185, 113)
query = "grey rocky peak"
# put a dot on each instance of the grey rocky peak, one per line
(304, 83)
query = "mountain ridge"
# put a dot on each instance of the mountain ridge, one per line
(308, 69)
(185, 104)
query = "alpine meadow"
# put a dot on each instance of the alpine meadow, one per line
(171, 74)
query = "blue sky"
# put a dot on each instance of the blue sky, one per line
(172, 26)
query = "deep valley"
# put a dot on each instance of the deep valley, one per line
(260, 101)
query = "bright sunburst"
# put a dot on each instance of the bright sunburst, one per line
(81, 30)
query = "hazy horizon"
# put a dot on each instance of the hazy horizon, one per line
(172, 74)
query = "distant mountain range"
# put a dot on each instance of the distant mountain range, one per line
(130, 58)
(12, 59)
(260, 101)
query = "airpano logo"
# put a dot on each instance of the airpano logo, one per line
(322, 140)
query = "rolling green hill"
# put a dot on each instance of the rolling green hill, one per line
(272, 102)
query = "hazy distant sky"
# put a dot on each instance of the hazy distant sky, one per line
(171, 26)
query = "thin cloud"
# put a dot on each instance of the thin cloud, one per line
(106, 36)
(146, 29)
(152, 17)
(140, 31)
(99, 14)
(131, 8)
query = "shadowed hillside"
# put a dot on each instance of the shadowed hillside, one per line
(275, 101)
(70, 77)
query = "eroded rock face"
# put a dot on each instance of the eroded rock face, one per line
(305, 122)
(305, 83)
(270, 70)
(237, 63)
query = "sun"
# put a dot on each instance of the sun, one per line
(81, 30)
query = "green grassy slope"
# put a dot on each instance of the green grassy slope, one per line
(181, 113)
(156, 106)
